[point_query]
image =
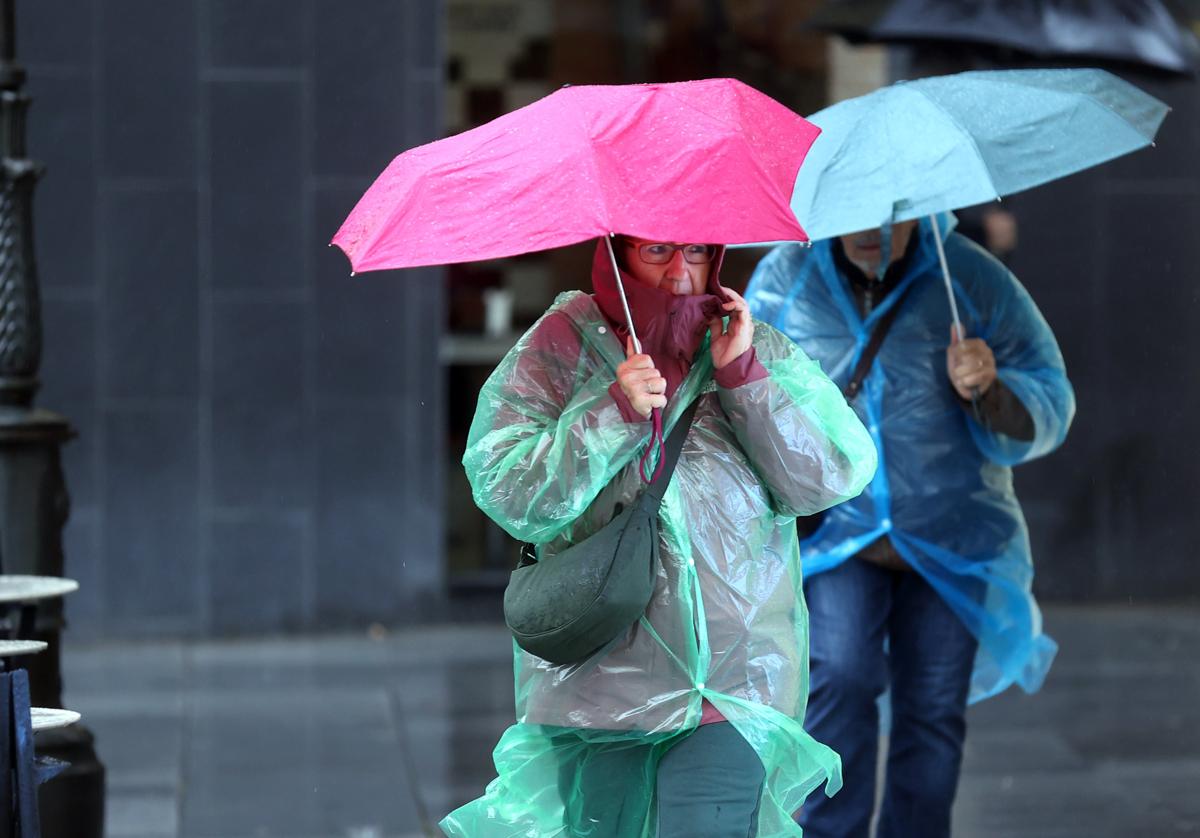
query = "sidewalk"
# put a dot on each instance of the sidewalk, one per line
(352, 737)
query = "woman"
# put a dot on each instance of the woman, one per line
(690, 724)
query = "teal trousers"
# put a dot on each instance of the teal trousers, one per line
(707, 785)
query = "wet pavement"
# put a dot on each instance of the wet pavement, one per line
(354, 737)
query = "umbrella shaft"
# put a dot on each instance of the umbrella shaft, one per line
(941, 251)
(637, 344)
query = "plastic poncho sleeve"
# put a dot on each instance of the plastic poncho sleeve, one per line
(806, 444)
(1029, 363)
(547, 435)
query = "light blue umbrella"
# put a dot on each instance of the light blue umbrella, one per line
(923, 147)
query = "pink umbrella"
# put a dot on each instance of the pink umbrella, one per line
(702, 161)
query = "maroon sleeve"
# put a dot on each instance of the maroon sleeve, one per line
(741, 370)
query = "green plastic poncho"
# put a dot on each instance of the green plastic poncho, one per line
(549, 457)
(944, 492)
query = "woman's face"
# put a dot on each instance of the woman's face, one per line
(677, 275)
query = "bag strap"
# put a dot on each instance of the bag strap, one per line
(653, 492)
(872, 348)
(670, 455)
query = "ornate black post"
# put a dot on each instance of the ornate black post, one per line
(33, 494)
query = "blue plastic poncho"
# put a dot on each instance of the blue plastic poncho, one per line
(943, 493)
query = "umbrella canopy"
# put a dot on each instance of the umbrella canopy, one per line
(704, 161)
(917, 148)
(1133, 31)
(920, 148)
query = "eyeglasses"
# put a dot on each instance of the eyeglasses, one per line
(660, 253)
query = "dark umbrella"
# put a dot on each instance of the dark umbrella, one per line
(1133, 31)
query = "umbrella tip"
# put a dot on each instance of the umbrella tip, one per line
(352, 273)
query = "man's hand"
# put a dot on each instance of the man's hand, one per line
(641, 382)
(728, 344)
(970, 365)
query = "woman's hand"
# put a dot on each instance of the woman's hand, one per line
(728, 343)
(641, 382)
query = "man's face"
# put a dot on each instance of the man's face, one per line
(862, 248)
(677, 275)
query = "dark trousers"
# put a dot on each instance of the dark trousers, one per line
(708, 785)
(927, 663)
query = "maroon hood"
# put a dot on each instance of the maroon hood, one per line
(670, 327)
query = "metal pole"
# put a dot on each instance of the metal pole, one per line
(637, 344)
(941, 252)
(34, 504)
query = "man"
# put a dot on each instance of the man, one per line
(921, 585)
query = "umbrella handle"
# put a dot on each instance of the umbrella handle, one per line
(637, 344)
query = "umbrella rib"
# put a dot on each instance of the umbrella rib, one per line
(966, 133)
(717, 121)
(595, 164)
